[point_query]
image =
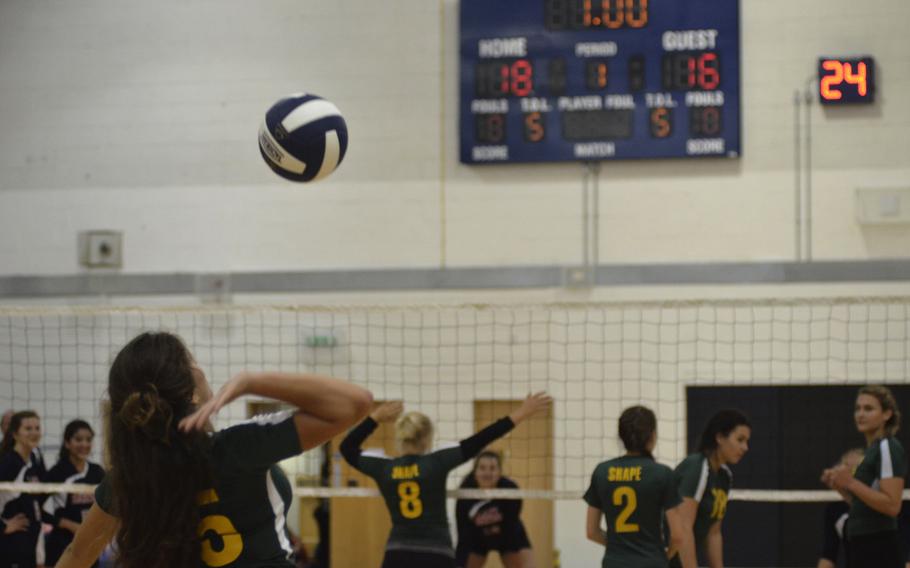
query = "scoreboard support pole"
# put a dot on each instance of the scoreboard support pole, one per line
(590, 218)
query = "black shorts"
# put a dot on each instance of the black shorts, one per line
(410, 559)
(514, 539)
(876, 550)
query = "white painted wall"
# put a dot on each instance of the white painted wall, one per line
(142, 117)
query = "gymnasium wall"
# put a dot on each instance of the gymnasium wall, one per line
(141, 117)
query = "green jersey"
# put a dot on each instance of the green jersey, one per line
(633, 492)
(243, 515)
(711, 489)
(414, 486)
(884, 459)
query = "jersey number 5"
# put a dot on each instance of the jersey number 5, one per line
(411, 506)
(625, 497)
(223, 527)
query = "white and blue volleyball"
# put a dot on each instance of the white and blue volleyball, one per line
(303, 138)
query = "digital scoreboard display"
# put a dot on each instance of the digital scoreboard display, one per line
(583, 80)
(846, 80)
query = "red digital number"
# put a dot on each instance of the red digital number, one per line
(708, 73)
(522, 78)
(828, 81)
(613, 13)
(859, 79)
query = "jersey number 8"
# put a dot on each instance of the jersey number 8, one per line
(411, 506)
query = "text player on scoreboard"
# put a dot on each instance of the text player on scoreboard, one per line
(414, 484)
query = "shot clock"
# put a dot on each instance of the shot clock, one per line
(846, 80)
(579, 80)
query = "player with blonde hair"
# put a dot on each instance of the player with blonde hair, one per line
(414, 484)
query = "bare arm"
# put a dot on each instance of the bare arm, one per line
(69, 525)
(595, 533)
(886, 500)
(96, 532)
(681, 537)
(714, 546)
(326, 406)
(687, 510)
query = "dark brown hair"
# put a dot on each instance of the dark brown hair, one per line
(14, 424)
(71, 430)
(156, 470)
(723, 422)
(637, 425)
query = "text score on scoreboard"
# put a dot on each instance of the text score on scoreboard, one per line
(581, 80)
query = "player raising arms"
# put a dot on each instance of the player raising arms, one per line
(875, 490)
(414, 484)
(634, 492)
(179, 497)
(704, 480)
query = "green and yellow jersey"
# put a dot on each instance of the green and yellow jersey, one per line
(711, 489)
(414, 486)
(884, 459)
(633, 492)
(243, 515)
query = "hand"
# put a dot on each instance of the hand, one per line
(535, 403)
(839, 477)
(18, 523)
(387, 411)
(836, 477)
(233, 389)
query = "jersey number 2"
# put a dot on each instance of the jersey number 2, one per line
(411, 506)
(223, 527)
(625, 496)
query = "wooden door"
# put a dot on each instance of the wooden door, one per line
(359, 527)
(528, 460)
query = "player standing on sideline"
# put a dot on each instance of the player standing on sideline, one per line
(634, 492)
(704, 480)
(414, 484)
(180, 497)
(64, 511)
(21, 461)
(490, 524)
(876, 489)
(836, 516)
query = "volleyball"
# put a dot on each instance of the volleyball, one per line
(303, 137)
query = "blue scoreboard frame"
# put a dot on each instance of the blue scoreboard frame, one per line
(583, 80)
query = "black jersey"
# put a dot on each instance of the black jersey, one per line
(884, 459)
(19, 549)
(711, 489)
(70, 506)
(414, 486)
(489, 524)
(243, 515)
(835, 532)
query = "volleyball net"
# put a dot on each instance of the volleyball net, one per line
(464, 365)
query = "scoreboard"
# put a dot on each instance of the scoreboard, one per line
(582, 80)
